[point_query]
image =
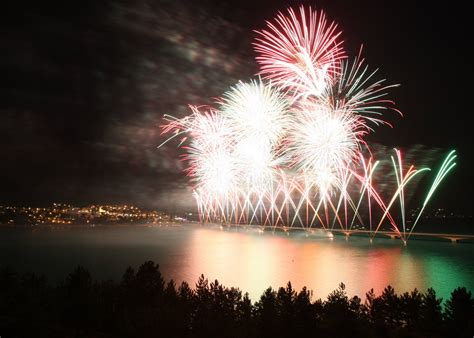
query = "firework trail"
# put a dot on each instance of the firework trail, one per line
(446, 167)
(356, 91)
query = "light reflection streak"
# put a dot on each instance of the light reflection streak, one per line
(253, 262)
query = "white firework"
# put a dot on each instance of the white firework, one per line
(256, 109)
(259, 116)
(322, 142)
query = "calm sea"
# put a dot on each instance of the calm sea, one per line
(245, 258)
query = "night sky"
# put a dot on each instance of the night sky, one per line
(84, 89)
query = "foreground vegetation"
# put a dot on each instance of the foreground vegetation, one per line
(144, 305)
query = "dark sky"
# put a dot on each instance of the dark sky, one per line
(84, 88)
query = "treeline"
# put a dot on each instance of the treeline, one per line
(142, 305)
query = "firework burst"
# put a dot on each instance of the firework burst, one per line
(300, 51)
(288, 150)
(323, 142)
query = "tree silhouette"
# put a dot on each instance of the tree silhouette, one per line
(410, 307)
(266, 314)
(459, 313)
(144, 305)
(431, 318)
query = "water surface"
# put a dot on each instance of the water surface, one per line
(245, 258)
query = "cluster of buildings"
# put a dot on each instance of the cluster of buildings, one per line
(437, 213)
(65, 214)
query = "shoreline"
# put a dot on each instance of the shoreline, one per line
(328, 233)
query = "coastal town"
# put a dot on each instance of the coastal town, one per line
(65, 214)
